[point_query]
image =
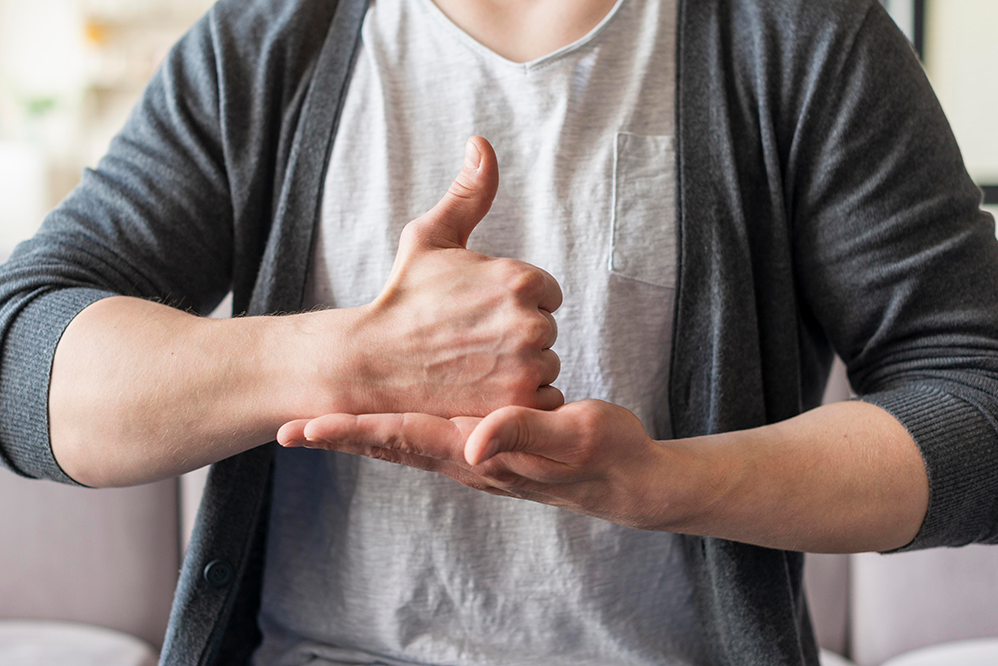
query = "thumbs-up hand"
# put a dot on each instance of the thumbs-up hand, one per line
(459, 332)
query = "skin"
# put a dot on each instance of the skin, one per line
(449, 370)
(842, 478)
(452, 332)
(524, 30)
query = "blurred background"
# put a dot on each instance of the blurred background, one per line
(70, 70)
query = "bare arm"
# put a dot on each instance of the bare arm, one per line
(841, 478)
(140, 391)
(845, 477)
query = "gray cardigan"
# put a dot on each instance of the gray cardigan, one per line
(822, 203)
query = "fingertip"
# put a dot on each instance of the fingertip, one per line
(290, 431)
(499, 432)
(473, 446)
(477, 453)
(467, 201)
(553, 297)
(491, 448)
(481, 161)
(477, 149)
(291, 434)
(472, 155)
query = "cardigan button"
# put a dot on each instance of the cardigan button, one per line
(219, 573)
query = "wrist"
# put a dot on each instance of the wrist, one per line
(687, 485)
(307, 363)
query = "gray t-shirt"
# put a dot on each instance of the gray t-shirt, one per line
(368, 562)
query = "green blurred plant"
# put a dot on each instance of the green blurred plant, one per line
(36, 107)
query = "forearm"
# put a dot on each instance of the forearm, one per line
(141, 391)
(845, 477)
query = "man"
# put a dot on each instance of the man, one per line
(725, 191)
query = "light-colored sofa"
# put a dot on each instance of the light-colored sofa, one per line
(110, 558)
(873, 608)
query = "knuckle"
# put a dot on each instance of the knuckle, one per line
(525, 281)
(466, 193)
(536, 331)
(558, 295)
(505, 268)
(404, 446)
(555, 361)
(547, 371)
(380, 453)
(552, 329)
(542, 369)
(522, 438)
(401, 443)
(589, 422)
(549, 377)
(461, 187)
(412, 233)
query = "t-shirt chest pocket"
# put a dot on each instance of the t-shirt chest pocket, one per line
(643, 210)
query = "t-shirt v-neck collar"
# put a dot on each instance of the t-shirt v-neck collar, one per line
(483, 51)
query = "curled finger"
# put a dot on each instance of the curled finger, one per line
(551, 297)
(549, 398)
(552, 331)
(292, 433)
(550, 367)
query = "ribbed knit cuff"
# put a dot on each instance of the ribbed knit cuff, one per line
(959, 446)
(25, 372)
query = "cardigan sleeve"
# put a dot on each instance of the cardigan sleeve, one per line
(153, 220)
(897, 262)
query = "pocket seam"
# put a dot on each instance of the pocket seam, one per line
(661, 270)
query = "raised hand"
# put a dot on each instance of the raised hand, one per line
(455, 331)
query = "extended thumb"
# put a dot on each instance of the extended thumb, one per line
(469, 198)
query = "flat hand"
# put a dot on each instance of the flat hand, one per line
(455, 331)
(591, 457)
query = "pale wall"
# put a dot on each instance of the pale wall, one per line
(962, 62)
